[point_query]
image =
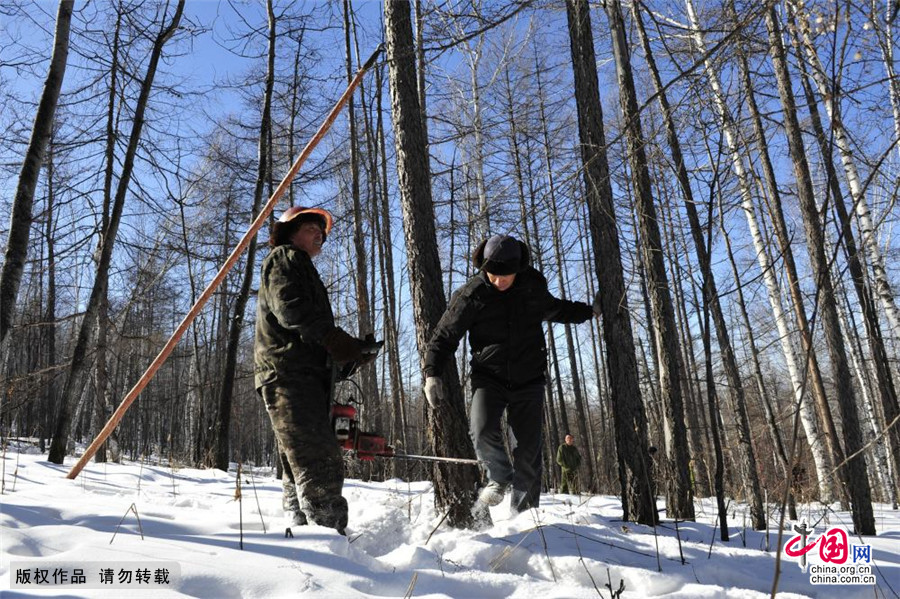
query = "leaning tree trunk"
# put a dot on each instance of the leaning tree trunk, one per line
(823, 458)
(779, 224)
(856, 474)
(454, 485)
(638, 497)
(75, 379)
(679, 495)
(20, 224)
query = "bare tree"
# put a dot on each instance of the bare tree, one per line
(679, 495)
(75, 379)
(823, 459)
(20, 225)
(222, 428)
(454, 485)
(857, 477)
(831, 97)
(628, 412)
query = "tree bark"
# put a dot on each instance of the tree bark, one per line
(885, 387)
(679, 495)
(454, 485)
(638, 498)
(823, 459)
(830, 98)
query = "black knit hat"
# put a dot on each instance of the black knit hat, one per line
(502, 255)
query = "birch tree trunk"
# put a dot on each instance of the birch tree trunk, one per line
(885, 387)
(885, 37)
(822, 458)
(454, 485)
(20, 223)
(638, 497)
(710, 290)
(856, 472)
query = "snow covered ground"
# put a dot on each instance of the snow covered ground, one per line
(191, 524)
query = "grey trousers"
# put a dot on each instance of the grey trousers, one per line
(299, 415)
(524, 413)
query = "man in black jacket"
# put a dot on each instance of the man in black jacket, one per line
(503, 308)
(296, 346)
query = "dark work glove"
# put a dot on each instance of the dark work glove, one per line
(342, 346)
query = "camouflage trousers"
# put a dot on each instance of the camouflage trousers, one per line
(312, 461)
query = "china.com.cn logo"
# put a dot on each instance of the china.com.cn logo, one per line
(839, 562)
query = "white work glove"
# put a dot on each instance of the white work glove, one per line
(596, 305)
(434, 390)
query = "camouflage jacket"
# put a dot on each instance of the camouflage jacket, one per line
(292, 315)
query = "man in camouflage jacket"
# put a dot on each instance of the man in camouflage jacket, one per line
(296, 345)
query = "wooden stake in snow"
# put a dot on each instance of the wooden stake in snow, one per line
(220, 276)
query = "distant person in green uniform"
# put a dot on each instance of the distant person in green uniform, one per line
(569, 459)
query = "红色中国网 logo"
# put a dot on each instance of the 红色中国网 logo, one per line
(830, 557)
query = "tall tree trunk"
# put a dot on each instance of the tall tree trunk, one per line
(869, 414)
(822, 456)
(779, 224)
(581, 412)
(885, 385)
(884, 35)
(638, 497)
(101, 410)
(48, 331)
(713, 404)
(20, 223)
(75, 379)
(397, 387)
(454, 485)
(856, 474)
(679, 495)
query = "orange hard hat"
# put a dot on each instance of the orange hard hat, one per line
(295, 211)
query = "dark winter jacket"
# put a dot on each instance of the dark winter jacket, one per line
(568, 457)
(292, 315)
(505, 329)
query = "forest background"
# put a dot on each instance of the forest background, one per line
(753, 172)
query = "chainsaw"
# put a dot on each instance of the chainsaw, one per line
(362, 445)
